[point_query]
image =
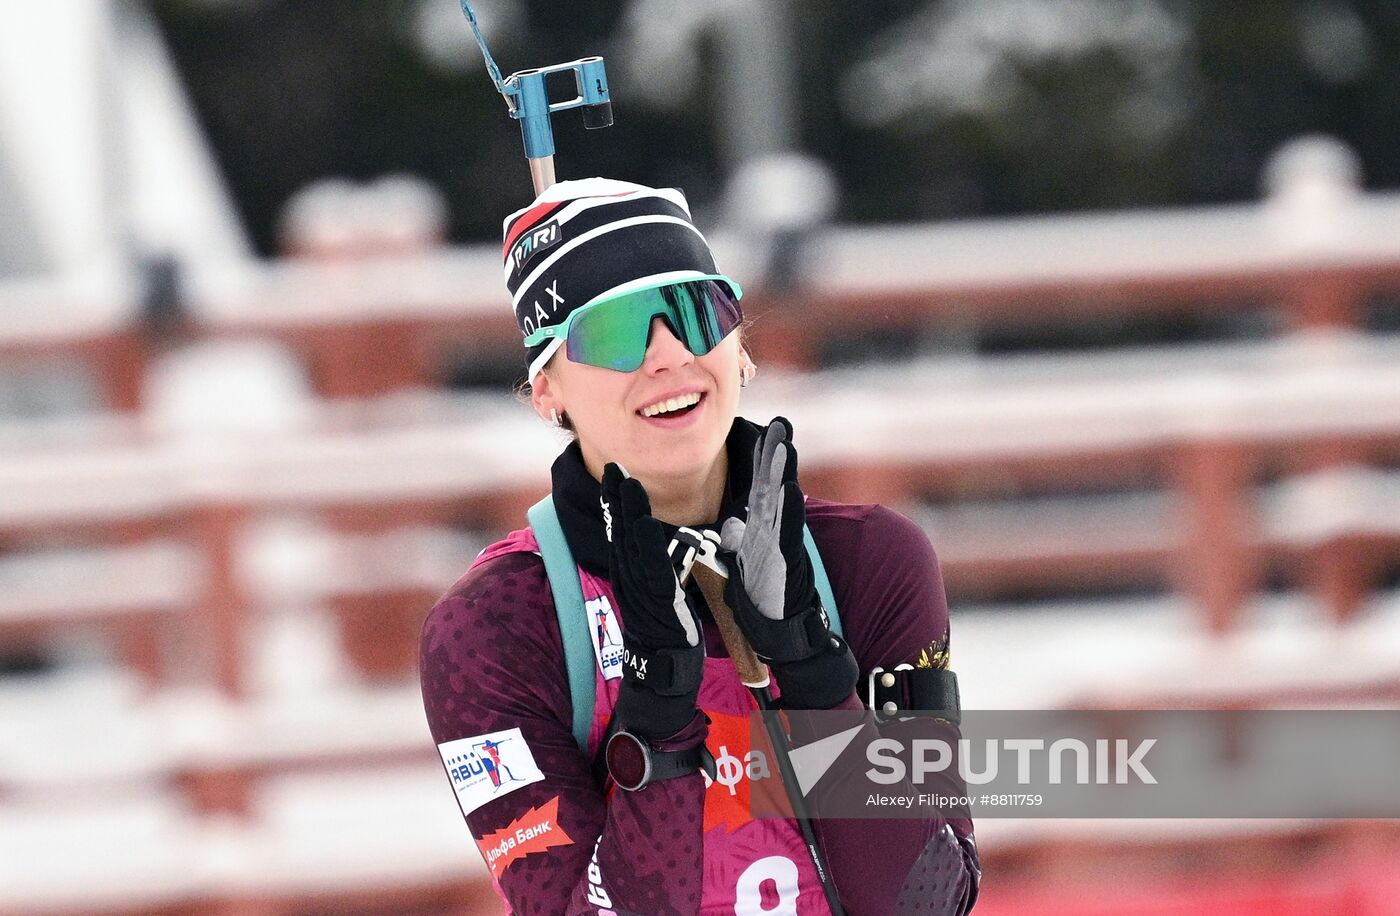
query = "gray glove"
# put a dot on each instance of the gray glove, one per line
(772, 587)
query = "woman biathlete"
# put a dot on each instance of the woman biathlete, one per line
(630, 335)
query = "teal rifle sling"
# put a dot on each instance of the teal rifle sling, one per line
(574, 624)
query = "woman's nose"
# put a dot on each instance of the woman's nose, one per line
(664, 348)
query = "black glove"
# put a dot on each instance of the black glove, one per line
(663, 657)
(772, 588)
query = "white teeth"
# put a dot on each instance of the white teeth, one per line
(675, 403)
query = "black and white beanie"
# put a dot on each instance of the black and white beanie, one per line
(582, 240)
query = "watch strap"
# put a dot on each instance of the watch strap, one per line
(671, 764)
(648, 765)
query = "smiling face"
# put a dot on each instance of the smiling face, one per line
(614, 413)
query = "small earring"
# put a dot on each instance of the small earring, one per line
(554, 417)
(746, 374)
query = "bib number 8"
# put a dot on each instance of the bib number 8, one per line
(748, 893)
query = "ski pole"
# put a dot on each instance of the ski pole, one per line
(527, 98)
(703, 562)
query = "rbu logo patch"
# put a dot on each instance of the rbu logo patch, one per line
(607, 636)
(532, 243)
(488, 766)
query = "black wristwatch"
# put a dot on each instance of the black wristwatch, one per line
(634, 764)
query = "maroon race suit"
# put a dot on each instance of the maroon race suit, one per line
(492, 660)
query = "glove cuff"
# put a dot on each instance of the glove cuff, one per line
(654, 717)
(791, 639)
(822, 681)
(665, 672)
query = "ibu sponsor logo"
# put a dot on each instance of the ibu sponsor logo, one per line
(488, 766)
(532, 243)
(607, 636)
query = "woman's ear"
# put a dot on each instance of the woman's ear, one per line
(542, 396)
(747, 368)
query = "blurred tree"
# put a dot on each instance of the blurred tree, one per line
(924, 108)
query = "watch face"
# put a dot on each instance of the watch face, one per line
(627, 760)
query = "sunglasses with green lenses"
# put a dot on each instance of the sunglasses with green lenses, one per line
(613, 333)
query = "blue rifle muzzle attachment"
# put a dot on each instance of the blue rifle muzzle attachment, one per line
(528, 96)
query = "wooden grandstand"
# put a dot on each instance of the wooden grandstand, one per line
(1200, 481)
